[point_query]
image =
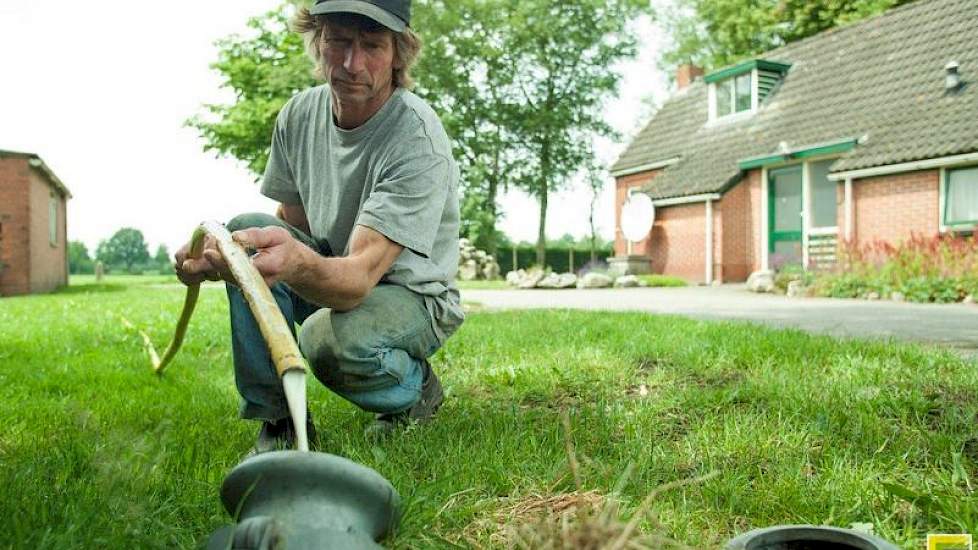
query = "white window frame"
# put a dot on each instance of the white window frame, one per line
(807, 188)
(734, 115)
(807, 230)
(942, 185)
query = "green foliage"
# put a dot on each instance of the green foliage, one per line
(162, 260)
(263, 71)
(656, 280)
(78, 259)
(941, 269)
(557, 256)
(126, 249)
(97, 452)
(717, 33)
(792, 272)
(566, 53)
(465, 75)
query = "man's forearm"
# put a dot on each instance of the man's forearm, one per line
(337, 282)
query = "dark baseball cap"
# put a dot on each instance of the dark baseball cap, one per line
(393, 14)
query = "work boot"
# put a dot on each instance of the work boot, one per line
(421, 412)
(279, 435)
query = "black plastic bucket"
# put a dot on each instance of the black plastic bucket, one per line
(808, 537)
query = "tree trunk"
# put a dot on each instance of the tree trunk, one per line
(542, 232)
(491, 244)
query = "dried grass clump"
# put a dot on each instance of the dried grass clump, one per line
(586, 527)
(584, 520)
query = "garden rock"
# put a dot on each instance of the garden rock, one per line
(626, 281)
(531, 279)
(513, 277)
(563, 280)
(475, 264)
(898, 297)
(490, 271)
(761, 281)
(550, 281)
(796, 289)
(873, 296)
(468, 270)
(594, 280)
(567, 280)
(969, 299)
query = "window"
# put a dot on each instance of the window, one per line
(961, 196)
(743, 87)
(733, 95)
(824, 197)
(53, 220)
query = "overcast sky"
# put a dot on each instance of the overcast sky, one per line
(100, 89)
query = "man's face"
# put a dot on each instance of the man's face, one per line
(360, 64)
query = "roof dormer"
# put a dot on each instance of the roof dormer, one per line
(737, 91)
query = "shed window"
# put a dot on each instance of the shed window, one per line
(53, 220)
(961, 193)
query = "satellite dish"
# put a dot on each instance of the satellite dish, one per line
(637, 217)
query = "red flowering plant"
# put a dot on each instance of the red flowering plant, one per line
(942, 268)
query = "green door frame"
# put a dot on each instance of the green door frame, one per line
(779, 236)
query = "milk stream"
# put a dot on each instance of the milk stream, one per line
(294, 383)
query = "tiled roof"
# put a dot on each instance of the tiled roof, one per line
(880, 80)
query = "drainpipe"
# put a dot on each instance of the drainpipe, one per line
(709, 242)
(849, 210)
(764, 220)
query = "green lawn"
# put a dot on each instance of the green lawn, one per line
(97, 452)
(483, 285)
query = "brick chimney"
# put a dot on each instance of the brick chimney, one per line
(686, 74)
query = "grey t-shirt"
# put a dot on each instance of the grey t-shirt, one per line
(394, 174)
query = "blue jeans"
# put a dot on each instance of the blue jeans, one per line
(371, 356)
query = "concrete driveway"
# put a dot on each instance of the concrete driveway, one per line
(953, 326)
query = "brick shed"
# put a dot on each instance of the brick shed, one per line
(33, 226)
(861, 133)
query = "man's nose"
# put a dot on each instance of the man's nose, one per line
(354, 61)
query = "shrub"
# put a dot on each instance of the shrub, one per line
(792, 272)
(942, 269)
(662, 280)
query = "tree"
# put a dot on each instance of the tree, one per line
(162, 259)
(264, 72)
(126, 247)
(595, 184)
(564, 55)
(465, 75)
(716, 33)
(78, 259)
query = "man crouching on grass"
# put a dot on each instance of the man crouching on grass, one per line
(364, 248)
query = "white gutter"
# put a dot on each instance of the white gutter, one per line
(709, 242)
(905, 167)
(687, 200)
(646, 167)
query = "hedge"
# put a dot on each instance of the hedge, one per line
(558, 257)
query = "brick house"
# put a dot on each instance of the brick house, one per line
(861, 133)
(33, 229)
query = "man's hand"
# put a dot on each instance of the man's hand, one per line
(277, 254)
(209, 267)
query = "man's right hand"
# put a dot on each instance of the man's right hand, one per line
(192, 272)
